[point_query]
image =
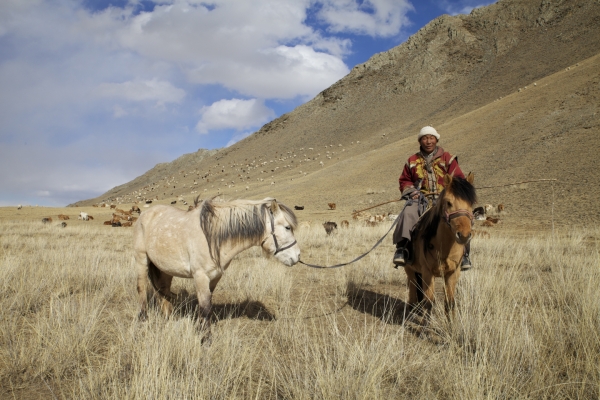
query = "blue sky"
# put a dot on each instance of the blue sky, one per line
(93, 93)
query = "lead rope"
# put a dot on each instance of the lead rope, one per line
(362, 255)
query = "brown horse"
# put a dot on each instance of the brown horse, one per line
(439, 240)
(200, 244)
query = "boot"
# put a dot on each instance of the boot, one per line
(402, 254)
(465, 264)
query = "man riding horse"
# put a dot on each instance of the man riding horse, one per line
(420, 184)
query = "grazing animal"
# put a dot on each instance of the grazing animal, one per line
(479, 213)
(113, 206)
(331, 206)
(493, 220)
(148, 201)
(488, 208)
(345, 224)
(19, 207)
(126, 224)
(329, 226)
(201, 244)
(83, 216)
(47, 220)
(107, 222)
(63, 224)
(63, 217)
(116, 224)
(174, 202)
(135, 209)
(298, 207)
(500, 208)
(190, 208)
(487, 223)
(439, 240)
(90, 218)
(94, 205)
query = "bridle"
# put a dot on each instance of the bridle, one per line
(459, 213)
(277, 248)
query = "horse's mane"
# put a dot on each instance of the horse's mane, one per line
(237, 221)
(428, 224)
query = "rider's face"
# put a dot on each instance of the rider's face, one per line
(428, 143)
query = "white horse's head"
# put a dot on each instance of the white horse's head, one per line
(280, 240)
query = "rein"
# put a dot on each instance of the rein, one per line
(362, 255)
(277, 248)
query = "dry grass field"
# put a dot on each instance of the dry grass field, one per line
(527, 326)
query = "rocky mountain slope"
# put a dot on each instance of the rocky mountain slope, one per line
(513, 88)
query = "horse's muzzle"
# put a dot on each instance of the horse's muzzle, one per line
(460, 239)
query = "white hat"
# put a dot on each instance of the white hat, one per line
(428, 130)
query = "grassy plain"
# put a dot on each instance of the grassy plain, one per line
(527, 326)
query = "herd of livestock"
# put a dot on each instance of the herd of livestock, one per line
(488, 213)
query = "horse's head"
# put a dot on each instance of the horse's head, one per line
(280, 240)
(456, 204)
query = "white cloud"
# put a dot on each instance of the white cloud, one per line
(281, 72)
(234, 114)
(236, 138)
(370, 17)
(155, 90)
(464, 6)
(75, 80)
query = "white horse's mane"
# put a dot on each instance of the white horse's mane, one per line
(236, 221)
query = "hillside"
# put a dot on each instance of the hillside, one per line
(513, 88)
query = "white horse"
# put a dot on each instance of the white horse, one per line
(200, 244)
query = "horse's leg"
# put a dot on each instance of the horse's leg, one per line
(419, 286)
(141, 266)
(164, 291)
(428, 290)
(204, 300)
(411, 282)
(451, 280)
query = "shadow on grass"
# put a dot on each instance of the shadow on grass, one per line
(391, 310)
(185, 304)
(386, 308)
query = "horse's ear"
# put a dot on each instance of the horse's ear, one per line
(470, 177)
(447, 180)
(274, 206)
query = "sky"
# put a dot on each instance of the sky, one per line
(94, 93)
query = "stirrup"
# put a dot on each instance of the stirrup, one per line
(401, 257)
(465, 264)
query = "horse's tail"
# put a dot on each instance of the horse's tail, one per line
(154, 276)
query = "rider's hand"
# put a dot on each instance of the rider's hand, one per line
(415, 195)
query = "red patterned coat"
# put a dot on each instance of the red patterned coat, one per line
(416, 171)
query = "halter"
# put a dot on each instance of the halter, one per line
(277, 248)
(459, 213)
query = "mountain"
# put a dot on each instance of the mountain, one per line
(513, 89)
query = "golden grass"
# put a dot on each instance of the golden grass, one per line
(527, 326)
